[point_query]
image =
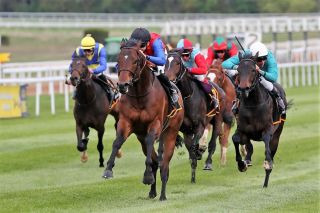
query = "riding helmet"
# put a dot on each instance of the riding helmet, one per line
(88, 42)
(219, 44)
(259, 47)
(141, 34)
(185, 44)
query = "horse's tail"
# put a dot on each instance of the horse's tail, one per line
(179, 141)
(289, 104)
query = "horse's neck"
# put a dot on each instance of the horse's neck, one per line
(86, 90)
(258, 95)
(185, 86)
(145, 82)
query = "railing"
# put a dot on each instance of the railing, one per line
(40, 73)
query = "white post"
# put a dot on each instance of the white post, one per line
(309, 75)
(66, 97)
(303, 76)
(38, 92)
(315, 73)
(290, 78)
(296, 76)
(51, 91)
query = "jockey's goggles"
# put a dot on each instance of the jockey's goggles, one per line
(262, 58)
(185, 55)
(88, 50)
(143, 45)
(220, 51)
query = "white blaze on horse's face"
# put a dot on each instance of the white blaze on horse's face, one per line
(125, 57)
(211, 76)
(170, 59)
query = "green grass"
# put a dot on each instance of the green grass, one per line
(40, 169)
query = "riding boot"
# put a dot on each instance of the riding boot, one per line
(110, 93)
(214, 102)
(173, 94)
(279, 100)
(235, 104)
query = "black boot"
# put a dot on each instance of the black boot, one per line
(173, 94)
(279, 100)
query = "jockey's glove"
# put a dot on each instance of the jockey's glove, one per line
(261, 72)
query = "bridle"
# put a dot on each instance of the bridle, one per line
(141, 61)
(182, 70)
(83, 74)
(255, 81)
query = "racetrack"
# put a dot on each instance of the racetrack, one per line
(40, 169)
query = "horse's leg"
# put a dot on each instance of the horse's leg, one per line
(148, 177)
(153, 188)
(169, 140)
(216, 130)
(268, 164)
(100, 146)
(188, 141)
(236, 138)
(82, 142)
(249, 152)
(224, 143)
(273, 149)
(123, 132)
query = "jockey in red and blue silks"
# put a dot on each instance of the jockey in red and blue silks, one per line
(195, 62)
(154, 49)
(96, 59)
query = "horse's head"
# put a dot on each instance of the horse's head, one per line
(131, 62)
(216, 73)
(79, 71)
(248, 76)
(174, 67)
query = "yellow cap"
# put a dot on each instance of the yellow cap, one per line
(88, 42)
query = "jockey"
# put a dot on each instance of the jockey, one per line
(154, 49)
(96, 60)
(266, 66)
(220, 49)
(195, 62)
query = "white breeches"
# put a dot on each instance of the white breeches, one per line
(267, 84)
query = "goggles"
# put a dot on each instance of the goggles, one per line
(262, 58)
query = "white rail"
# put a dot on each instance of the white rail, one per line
(290, 75)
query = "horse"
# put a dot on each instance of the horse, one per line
(196, 106)
(143, 110)
(258, 117)
(91, 107)
(217, 75)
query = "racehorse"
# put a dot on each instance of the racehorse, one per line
(196, 106)
(143, 110)
(91, 107)
(217, 75)
(258, 118)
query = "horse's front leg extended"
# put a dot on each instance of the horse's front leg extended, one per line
(236, 138)
(123, 132)
(148, 177)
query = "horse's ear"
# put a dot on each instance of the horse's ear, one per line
(255, 57)
(123, 42)
(240, 56)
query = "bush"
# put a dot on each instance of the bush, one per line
(99, 35)
(4, 40)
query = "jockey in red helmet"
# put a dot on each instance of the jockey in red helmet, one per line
(195, 62)
(220, 49)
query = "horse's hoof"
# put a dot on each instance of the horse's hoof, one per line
(148, 179)
(267, 165)
(163, 198)
(242, 166)
(108, 174)
(193, 180)
(84, 157)
(152, 195)
(208, 167)
(101, 165)
(248, 162)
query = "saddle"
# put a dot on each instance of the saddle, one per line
(108, 86)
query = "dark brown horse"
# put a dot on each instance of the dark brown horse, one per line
(197, 106)
(258, 118)
(217, 75)
(91, 107)
(143, 110)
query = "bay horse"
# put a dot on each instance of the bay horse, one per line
(217, 75)
(143, 110)
(258, 118)
(91, 107)
(196, 105)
